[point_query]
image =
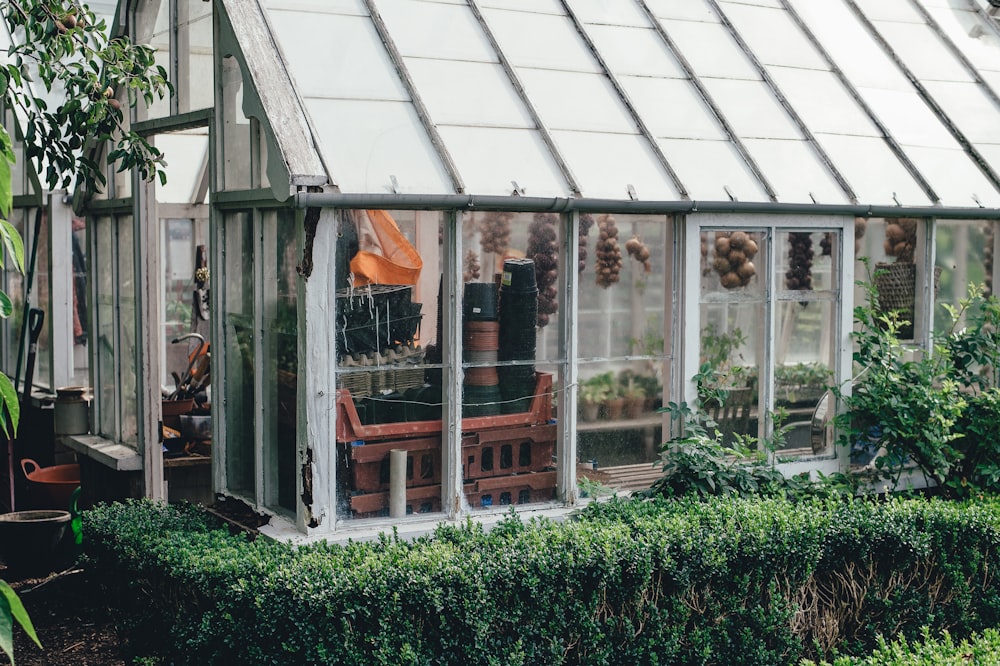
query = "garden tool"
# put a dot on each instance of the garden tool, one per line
(196, 376)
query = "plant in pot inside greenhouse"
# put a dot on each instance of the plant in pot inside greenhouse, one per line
(801, 383)
(719, 371)
(594, 395)
(635, 397)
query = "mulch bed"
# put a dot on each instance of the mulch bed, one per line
(72, 625)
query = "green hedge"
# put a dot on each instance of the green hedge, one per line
(720, 582)
(984, 649)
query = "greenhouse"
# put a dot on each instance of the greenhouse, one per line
(416, 260)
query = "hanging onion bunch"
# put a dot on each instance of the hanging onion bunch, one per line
(988, 237)
(472, 268)
(544, 250)
(733, 252)
(800, 259)
(901, 239)
(638, 251)
(494, 230)
(586, 222)
(609, 253)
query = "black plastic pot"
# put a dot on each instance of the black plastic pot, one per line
(30, 540)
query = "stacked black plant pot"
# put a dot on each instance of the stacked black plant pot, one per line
(481, 389)
(518, 316)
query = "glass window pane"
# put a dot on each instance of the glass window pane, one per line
(624, 262)
(964, 253)
(152, 27)
(41, 298)
(281, 387)
(893, 248)
(773, 36)
(238, 392)
(13, 286)
(196, 67)
(125, 293)
(390, 369)
(106, 381)
(81, 313)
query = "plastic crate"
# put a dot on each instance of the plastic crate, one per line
(481, 494)
(507, 451)
(368, 464)
(511, 490)
(349, 427)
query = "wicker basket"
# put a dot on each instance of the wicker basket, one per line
(896, 287)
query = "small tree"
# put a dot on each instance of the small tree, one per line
(63, 47)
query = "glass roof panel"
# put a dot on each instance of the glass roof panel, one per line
(572, 100)
(708, 167)
(795, 171)
(954, 177)
(490, 158)
(751, 109)
(521, 33)
(872, 169)
(445, 31)
(970, 109)
(822, 101)
(850, 45)
(538, 6)
(365, 142)
(908, 118)
(468, 93)
(992, 79)
(710, 49)
(688, 10)
(610, 13)
(923, 52)
(672, 108)
(977, 40)
(635, 51)
(606, 164)
(356, 7)
(880, 10)
(772, 36)
(332, 55)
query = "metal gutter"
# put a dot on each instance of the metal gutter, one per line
(562, 204)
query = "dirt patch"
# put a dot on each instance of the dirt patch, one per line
(73, 627)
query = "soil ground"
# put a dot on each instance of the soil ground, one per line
(72, 624)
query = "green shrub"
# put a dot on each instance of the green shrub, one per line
(984, 649)
(723, 581)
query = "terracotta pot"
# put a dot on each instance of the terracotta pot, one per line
(614, 408)
(590, 411)
(634, 407)
(30, 540)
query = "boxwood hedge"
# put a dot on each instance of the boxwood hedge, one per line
(625, 582)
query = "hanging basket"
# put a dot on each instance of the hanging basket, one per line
(896, 287)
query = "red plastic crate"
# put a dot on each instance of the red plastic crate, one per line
(350, 429)
(369, 463)
(511, 490)
(506, 451)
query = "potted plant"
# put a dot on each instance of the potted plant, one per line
(635, 397)
(592, 396)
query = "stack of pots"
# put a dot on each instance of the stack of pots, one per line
(480, 344)
(518, 317)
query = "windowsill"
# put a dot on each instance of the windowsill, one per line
(283, 529)
(111, 454)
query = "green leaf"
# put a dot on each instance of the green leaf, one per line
(14, 244)
(12, 609)
(6, 305)
(8, 398)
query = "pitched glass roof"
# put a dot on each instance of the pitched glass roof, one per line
(877, 102)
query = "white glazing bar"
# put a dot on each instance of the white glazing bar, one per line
(452, 498)
(569, 353)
